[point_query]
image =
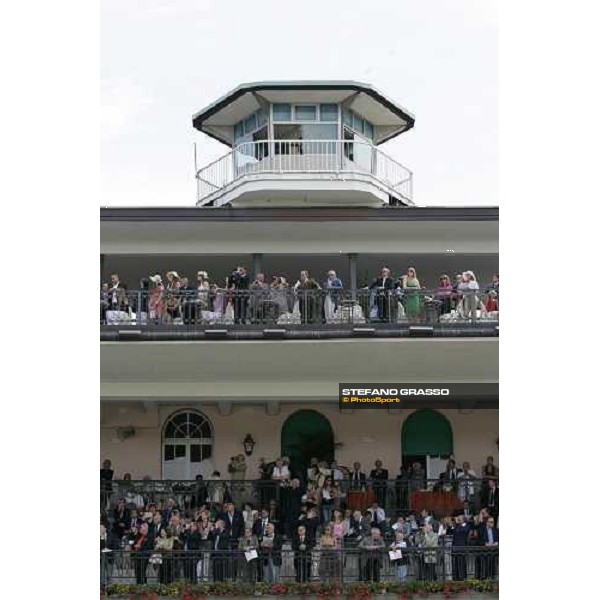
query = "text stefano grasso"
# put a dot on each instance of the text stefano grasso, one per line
(396, 391)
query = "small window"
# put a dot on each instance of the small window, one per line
(328, 112)
(306, 113)
(347, 115)
(369, 130)
(282, 112)
(179, 451)
(195, 453)
(261, 117)
(357, 124)
(238, 131)
(169, 452)
(250, 123)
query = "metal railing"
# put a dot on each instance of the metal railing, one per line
(396, 496)
(287, 307)
(304, 156)
(345, 564)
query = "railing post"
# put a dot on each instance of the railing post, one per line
(352, 259)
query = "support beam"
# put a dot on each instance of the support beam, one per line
(353, 260)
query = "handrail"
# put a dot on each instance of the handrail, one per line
(304, 156)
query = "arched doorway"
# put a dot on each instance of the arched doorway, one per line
(187, 444)
(305, 434)
(427, 438)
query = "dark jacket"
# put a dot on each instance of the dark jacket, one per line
(461, 535)
(223, 540)
(235, 527)
(309, 544)
(192, 541)
(274, 552)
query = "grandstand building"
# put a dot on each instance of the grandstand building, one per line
(304, 184)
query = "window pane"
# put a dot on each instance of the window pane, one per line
(206, 451)
(250, 123)
(238, 130)
(287, 132)
(369, 130)
(261, 117)
(170, 430)
(282, 112)
(169, 452)
(205, 430)
(357, 123)
(306, 113)
(347, 118)
(195, 453)
(328, 112)
(179, 451)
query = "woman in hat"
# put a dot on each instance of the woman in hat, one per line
(156, 304)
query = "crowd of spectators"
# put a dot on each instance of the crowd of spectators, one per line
(215, 535)
(175, 299)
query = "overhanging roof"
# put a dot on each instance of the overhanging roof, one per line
(218, 119)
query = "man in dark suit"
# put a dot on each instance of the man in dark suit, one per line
(489, 538)
(379, 477)
(141, 552)
(117, 298)
(234, 523)
(219, 540)
(121, 518)
(384, 286)
(187, 293)
(271, 554)
(460, 539)
(291, 511)
(106, 476)
(491, 499)
(239, 282)
(358, 479)
(259, 527)
(302, 546)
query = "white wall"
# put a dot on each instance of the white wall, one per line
(366, 435)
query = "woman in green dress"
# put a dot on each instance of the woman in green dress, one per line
(413, 303)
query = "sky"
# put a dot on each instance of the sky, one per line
(162, 61)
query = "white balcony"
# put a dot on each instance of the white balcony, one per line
(304, 172)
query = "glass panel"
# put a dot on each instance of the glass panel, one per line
(347, 116)
(169, 452)
(282, 112)
(250, 124)
(206, 451)
(238, 130)
(195, 453)
(261, 116)
(179, 451)
(305, 113)
(369, 130)
(170, 430)
(357, 124)
(261, 150)
(328, 112)
(205, 430)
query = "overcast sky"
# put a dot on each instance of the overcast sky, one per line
(163, 60)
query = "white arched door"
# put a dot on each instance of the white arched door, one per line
(187, 445)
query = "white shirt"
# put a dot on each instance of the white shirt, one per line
(337, 475)
(281, 472)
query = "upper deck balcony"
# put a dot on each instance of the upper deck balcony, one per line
(304, 143)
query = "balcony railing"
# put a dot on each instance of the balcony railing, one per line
(331, 157)
(397, 497)
(344, 565)
(304, 309)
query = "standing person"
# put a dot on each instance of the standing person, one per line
(307, 290)
(379, 477)
(401, 563)
(466, 487)
(248, 546)
(271, 554)
(371, 548)
(259, 292)
(164, 547)
(106, 477)
(358, 479)
(469, 289)
(489, 470)
(192, 544)
(141, 552)
(188, 299)
(383, 287)
(294, 506)
(234, 524)
(494, 286)
(430, 540)
(328, 496)
(329, 560)
(444, 294)
(156, 303)
(205, 528)
(302, 545)
(219, 539)
(460, 540)
(489, 539)
(104, 302)
(117, 294)
(413, 302)
(491, 498)
(333, 284)
(238, 284)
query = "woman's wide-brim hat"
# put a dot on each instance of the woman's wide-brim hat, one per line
(173, 274)
(155, 278)
(203, 274)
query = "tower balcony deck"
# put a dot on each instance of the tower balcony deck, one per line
(300, 172)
